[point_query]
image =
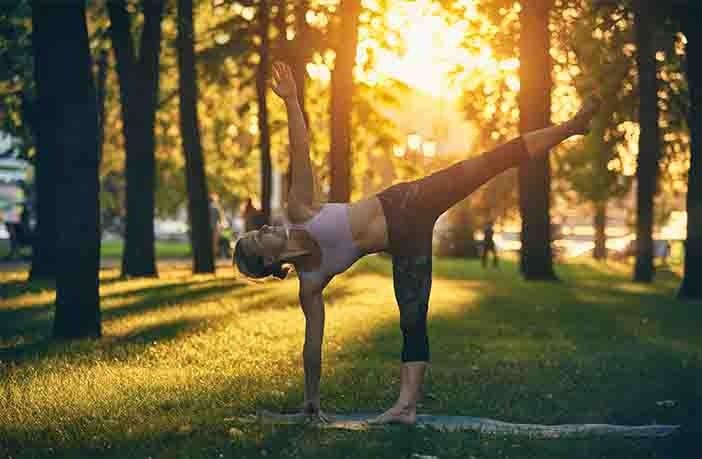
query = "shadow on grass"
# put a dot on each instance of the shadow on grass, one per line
(159, 297)
(28, 329)
(35, 319)
(589, 356)
(136, 342)
(553, 353)
(15, 288)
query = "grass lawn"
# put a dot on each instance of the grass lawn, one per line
(164, 249)
(184, 358)
(113, 249)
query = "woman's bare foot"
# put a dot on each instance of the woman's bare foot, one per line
(580, 123)
(397, 415)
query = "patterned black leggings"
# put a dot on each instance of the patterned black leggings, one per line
(411, 209)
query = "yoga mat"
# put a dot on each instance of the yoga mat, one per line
(469, 423)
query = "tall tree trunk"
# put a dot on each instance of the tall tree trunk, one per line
(298, 53)
(44, 250)
(535, 113)
(198, 207)
(101, 89)
(600, 224)
(342, 91)
(261, 89)
(280, 21)
(649, 142)
(139, 84)
(44, 256)
(691, 287)
(68, 129)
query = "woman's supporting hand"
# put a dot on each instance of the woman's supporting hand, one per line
(283, 83)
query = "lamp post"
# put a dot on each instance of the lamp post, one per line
(416, 147)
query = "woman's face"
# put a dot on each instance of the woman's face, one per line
(268, 242)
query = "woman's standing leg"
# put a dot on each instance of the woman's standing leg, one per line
(412, 282)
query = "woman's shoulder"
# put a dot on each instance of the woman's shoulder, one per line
(312, 282)
(300, 213)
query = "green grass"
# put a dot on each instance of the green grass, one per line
(113, 249)
(185, 358)
(164, 249)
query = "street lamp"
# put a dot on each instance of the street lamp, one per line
(414, 141)
(429, 148)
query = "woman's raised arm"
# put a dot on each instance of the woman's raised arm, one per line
(302, 189)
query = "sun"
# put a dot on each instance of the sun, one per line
(433, 49)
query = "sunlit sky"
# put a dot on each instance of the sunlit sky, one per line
(433, 49)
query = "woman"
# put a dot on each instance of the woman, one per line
(326, 239)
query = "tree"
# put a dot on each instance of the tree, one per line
(342, 90)
(649, 139)
(297, 53)
(139, 89)
(67, 129)
(484, 93)
(101, 83)
(691, 287)
(535, 113)
(592, 168)
(652, 19)
(198, 210)
(262, 72)
(300, 52)
(20, 119)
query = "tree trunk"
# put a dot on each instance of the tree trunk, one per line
(535, 113)
(198, 208)
(299, 53)
(101, 93)
(691, 287)
(44, 256)
(649, 143)
(342, 90)
(68, 132)
(44, 251)
(263, 130)
(600, 224)
(139, 83)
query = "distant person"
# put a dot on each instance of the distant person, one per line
(216, 221)
(661, 250)
(16, 215)
(489, 246)
(326, 239)
(666, 252)
(253, 218)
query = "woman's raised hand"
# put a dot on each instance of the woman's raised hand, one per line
(283, 83)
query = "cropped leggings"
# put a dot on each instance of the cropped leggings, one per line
(411, 210)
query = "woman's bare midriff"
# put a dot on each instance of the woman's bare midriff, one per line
(368, 225)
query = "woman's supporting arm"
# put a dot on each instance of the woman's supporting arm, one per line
(313, 307)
